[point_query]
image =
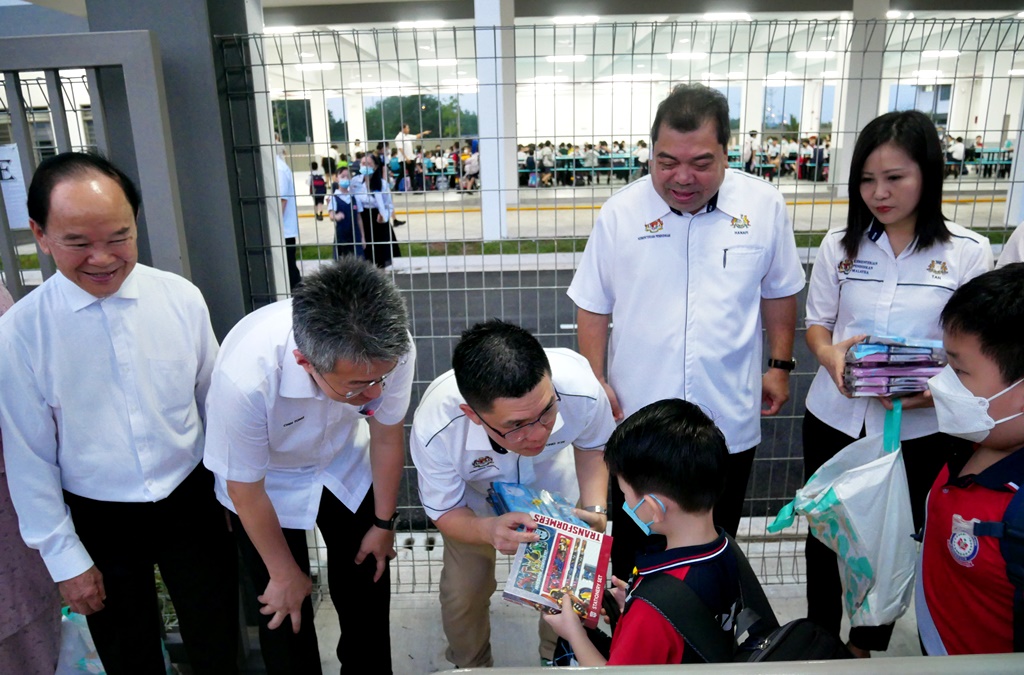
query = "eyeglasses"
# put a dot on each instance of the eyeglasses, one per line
(382, 380)
(546, 419)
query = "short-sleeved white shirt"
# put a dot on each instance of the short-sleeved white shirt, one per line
(267, 418)
(1013, 249)
(404, 143)
(684, 293)
(882, 294)
(286, 186)
(456, 461)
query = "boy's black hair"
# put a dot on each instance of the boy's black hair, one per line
(496, 360)
(991, 308)
(67, 165)
(672, 448)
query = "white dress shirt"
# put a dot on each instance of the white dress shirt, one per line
(286, 186)
(685, 294)
(456, 461)
(881, 294)
(269, 420)
(1013, 249)
(102, 398)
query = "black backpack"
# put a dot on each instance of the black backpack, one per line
(766, 640)
(1010, 533)
(319, 184)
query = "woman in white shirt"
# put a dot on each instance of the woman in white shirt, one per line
(889, 271)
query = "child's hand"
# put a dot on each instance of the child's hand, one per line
(618, 591)
(566, 623)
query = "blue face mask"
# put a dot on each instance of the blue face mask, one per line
(366, 170)
(631, 510)
(344, 183)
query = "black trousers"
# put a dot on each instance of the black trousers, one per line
(363, 606)
(186, 536)
(381, 244)
(923, 459)
(290, 248)
(628, 541)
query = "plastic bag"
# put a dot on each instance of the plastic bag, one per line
(858, 505)
(77, 650)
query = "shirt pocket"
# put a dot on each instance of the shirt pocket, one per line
(173, 383)
(742, 258)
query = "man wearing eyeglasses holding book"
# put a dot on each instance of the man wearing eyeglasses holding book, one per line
(306, 411)
(508, 411)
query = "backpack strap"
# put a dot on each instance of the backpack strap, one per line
(1010, 533)
(688, 614)
(757, 616)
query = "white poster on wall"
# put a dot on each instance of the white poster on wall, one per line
(12, 180)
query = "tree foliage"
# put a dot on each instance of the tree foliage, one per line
(444, 117)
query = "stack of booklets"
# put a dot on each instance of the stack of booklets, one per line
(892, 366)
(569, 558)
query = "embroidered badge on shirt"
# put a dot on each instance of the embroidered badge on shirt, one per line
(654, 226)
(741, 223)
(938, 268)
(483, 462)
(845, 266)
(963, 545)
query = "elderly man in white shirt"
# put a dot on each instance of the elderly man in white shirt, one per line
(105, 371)
(306, 407)
(508, 411)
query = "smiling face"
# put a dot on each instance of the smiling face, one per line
(688, 167)
(507, 414)
(91, 233)
(891, 186)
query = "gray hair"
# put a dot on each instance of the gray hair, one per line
(349, 310)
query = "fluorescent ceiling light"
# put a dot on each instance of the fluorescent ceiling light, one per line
(1015, 72)
(563, 20)
(687, 56)
(460, 82)
(781, 75)
(726, 16)
(940, 53)
(314, 66)
(815, 55)
(893, 14)
(280, 29)
(736, 75)
(927, 73)
(391, 84)
(426, 63)
(641, 77)
(276, 92)
(1020, 15)
(546, 79)
(431, 23)
(306, 55)
(830, 73)
(566, 58)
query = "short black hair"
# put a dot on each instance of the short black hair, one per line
(914, 133)
(496, 359)
(688, 107)
(991, 308)
(67, 165)
(672, 448)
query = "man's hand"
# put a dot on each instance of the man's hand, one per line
(922, 400)
(596, 521)
(85, 593)
(283, 597)
(566, 623)
(503, 535)
(614, 400)
(774, 390)
(379, 543)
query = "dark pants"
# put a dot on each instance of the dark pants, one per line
(923, 459)
(348, 239)
(628, 541)
(363, 606)
(186, 536)
(294, 276)
(381, 245)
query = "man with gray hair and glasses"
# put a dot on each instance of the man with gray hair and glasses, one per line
(305, 417)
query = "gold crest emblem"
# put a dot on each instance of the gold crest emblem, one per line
(654, 226)
(845, 266)
(741, 223)
(938, 267)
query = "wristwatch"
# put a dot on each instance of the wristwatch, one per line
(782, 365)
(388, 524)
(596, 509)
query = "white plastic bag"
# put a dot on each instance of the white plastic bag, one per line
(77, 651)
(858, 505)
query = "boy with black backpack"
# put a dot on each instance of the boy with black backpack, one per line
(669, 459)
(970, 587)
(317, 183)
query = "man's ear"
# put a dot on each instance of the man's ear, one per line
(40, 236)
(301, 359)
(469, 412)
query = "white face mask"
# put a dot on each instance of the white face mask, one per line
(961, 413)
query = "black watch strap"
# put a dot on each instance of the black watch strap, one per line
(782, 365)
(388, 524)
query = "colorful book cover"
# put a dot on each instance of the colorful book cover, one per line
(509, 497)
(567, 559)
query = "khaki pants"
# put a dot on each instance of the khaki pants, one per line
(467, 583)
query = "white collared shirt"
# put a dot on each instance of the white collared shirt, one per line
(286, 186)
(685, 294)
(882, 294)
(456, 462)
(102, 398)
(1013, 249)
(269, 420)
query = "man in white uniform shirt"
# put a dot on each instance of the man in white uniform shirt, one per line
(403, 141)
(105, 370)
(509, 411)
(306, 407)
(690, 262)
